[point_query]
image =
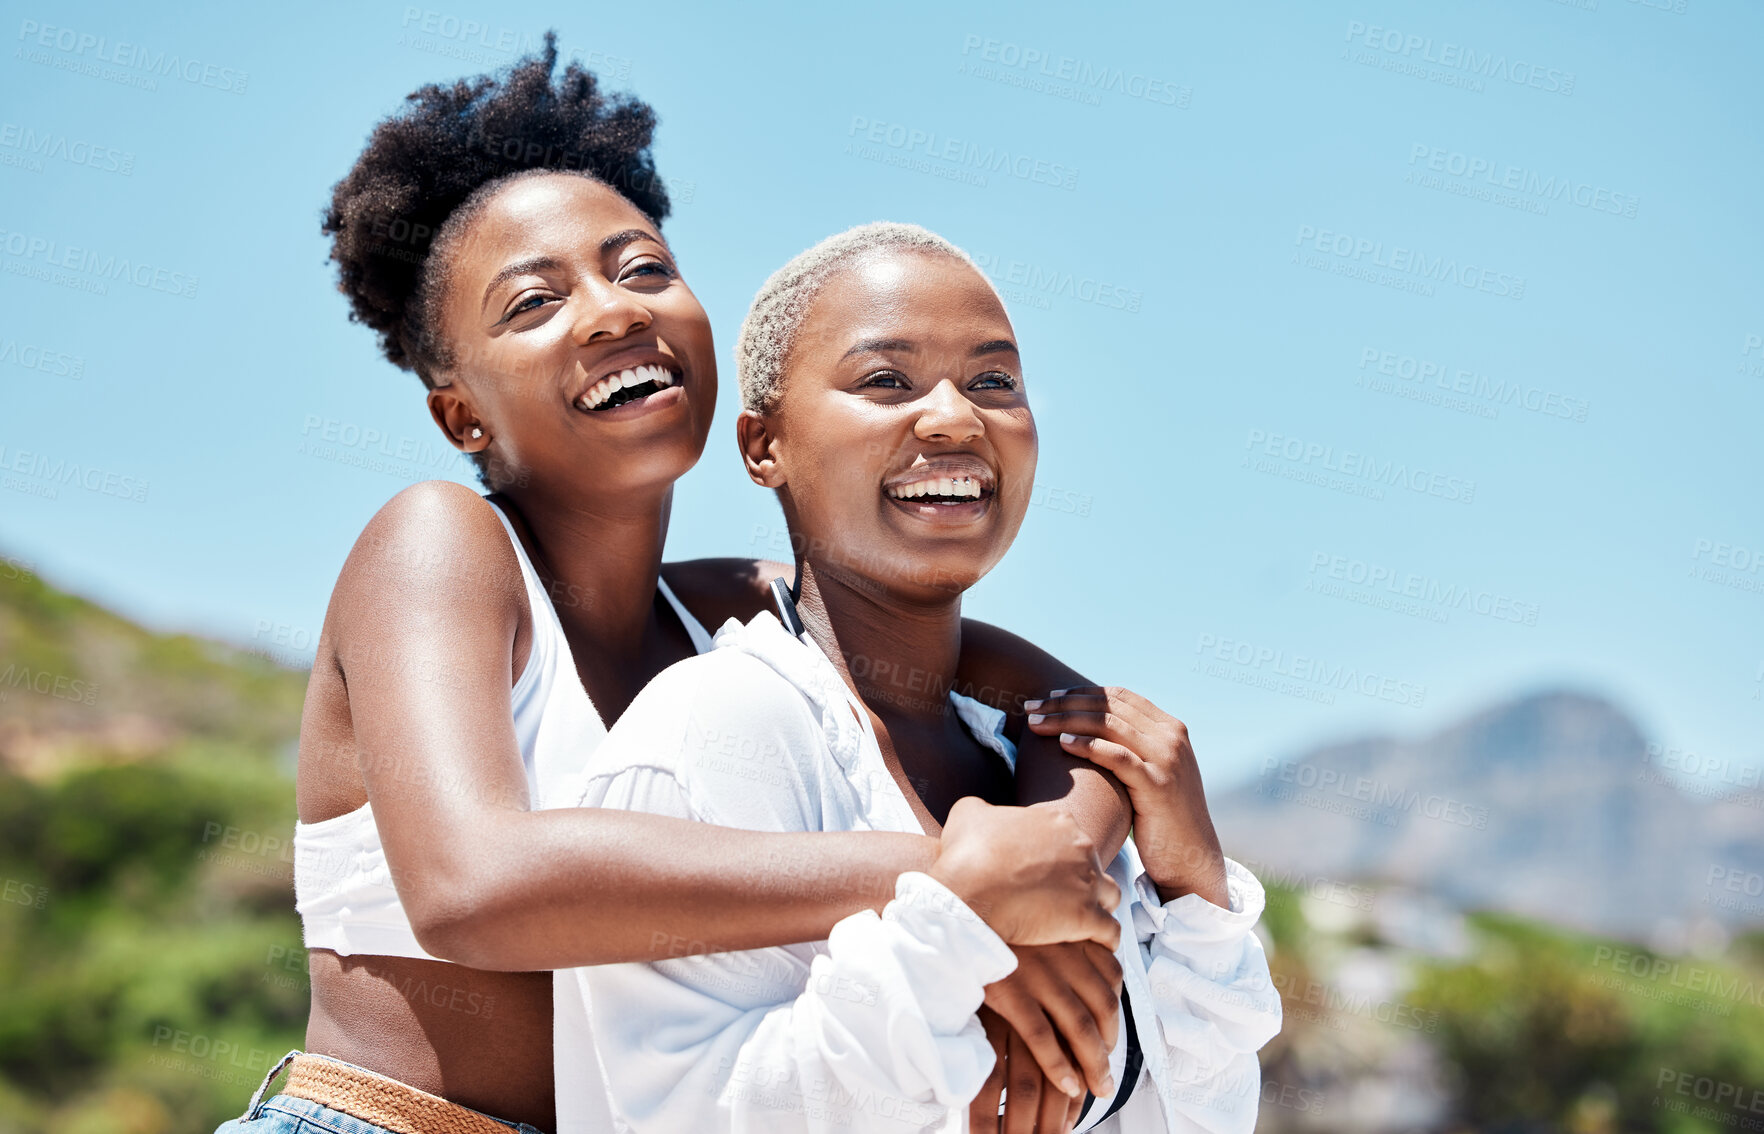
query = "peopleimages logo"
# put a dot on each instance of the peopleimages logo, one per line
(1518, 179)
(1085, 77)
(57, 685)
(41, 256)
(1277, 663)
(137, 65)
(1037, 284)
(1368, 254)
(1362, 472)
(929, 144)
(48, 474)
(1753, 367)
(1489, 393)
(1439, 594)
(32, 147)
(1382, 796)
(1455, 57)
(31, 356)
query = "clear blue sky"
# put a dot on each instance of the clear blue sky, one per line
(1272, 232)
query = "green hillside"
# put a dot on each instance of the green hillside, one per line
(1432, 1021)
(149, 952)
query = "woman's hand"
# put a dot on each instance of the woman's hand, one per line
(1032, 1105)
(1029, 872)
(1148, 751)
(1063, 1002)
(983, 1111)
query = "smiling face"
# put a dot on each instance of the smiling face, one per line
(902, 437)
(575, 347)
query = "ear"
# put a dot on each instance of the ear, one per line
(759, 449)
(451, 407)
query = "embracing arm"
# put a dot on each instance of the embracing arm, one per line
(423, 630)
(1002, 670)
(1211, 997)
(875, 1033)
(874, 1028)
(997, 668)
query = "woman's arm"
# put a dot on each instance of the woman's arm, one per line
(1003, 670)
(1150, 753)
(424, 626)
(1212, 999)
(873, 1029)
(877, 1033)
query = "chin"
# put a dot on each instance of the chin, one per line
(932, 575)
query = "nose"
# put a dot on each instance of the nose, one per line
(608, 311)
(947, 415)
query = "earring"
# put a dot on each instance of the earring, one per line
(476, 433)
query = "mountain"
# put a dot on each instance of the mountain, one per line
(1552, 806)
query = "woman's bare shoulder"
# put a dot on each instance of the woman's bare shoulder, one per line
(435, 538)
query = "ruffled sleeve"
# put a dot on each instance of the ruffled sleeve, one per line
(1213, 999)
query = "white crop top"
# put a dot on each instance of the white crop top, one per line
(342, 886)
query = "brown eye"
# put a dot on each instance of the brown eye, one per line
(653, 269)
(526, 304)
(994, 380)
(887, 380)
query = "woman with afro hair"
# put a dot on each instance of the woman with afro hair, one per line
(501, 235)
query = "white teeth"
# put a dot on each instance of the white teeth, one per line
(960, 486)
(604, 389)
(597, 393)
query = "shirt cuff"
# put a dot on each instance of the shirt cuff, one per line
(963, 951)
(1193, 915)
(1211, 990)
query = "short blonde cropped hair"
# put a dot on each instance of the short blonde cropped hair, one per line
(772, 323)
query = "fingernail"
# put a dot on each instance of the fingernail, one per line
(1108, 1085)
(1057, 693)
(1070, 1086)
(1032, 704)
(1036, 718)
(1067, 738)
